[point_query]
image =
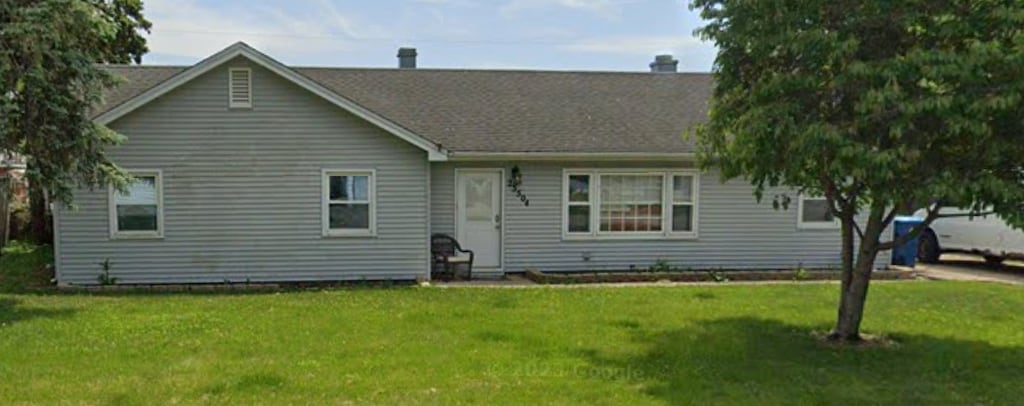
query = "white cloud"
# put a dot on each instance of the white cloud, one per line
(637, 45)
(186, 28)
(349, 25)
(605, 8)
(446, 2)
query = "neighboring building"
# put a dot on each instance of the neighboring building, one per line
(12, 190)
(13, 166)
(255, 171)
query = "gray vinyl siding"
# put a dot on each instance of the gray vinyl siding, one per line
(242, 191)
(735, 231)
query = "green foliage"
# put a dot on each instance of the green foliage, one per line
(49, 81)
(801, 274)
(25, 266)
(105, 278)
(887, 103)
(875, 105)
(661, 265)
(20, 217)
(715, 275)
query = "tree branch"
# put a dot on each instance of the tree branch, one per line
(986, 213)
(933, 213)
(890, 217)
(860, 232)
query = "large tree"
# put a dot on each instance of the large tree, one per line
(875, 105)
(50, 78)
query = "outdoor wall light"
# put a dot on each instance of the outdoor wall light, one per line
(517, 177)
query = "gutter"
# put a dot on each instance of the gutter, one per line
(571, 156)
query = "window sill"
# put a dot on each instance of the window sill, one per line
(818, 226)
(636, 237)
(137, 236)
(349, 234)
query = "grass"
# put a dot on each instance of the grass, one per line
(957, 343)
(23, 266)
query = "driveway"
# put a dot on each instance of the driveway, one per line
(964, 267)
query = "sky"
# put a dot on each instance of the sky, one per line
(605, 35)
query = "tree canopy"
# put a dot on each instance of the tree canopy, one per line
(875, 105)
(50, 79)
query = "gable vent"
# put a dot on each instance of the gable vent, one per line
(240, 88)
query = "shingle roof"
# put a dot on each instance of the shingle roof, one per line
(508, 111)
(137, 79)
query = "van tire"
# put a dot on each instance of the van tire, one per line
(994, 260)
(928, 250)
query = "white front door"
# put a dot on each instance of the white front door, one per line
(478, 215)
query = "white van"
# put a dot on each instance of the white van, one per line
(985, 235)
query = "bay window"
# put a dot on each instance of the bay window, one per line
(629, 203)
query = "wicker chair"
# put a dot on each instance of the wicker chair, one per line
(446, 257)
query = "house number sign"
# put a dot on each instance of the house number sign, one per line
(514, 183)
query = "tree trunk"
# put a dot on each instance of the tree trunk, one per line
(847, 257)
(39, 223)
(853, 297)
(856, 276)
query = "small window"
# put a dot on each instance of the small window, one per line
(579, 204)
(240, 88)
(138, 211)
(349, 203)
(682, 203)
(814, 212)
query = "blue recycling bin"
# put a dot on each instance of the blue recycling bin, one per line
(905, 254)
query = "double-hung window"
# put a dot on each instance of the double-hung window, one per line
(349, 203)
(137, 212)
(579, 205)
(629, 203)
(684, 203)
(814, 212)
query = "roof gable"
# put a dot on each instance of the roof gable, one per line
(175, 79)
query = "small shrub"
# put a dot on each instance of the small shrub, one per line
(801, 274)
(717, 276)
(660, 265)
(105, 278)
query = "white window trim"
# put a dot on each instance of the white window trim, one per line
(116, 234)
(595, 205)
(325, 194)
(812, 225)
(231, 89)
(566, 203)
(694, 194)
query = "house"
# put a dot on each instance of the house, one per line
(250, 170)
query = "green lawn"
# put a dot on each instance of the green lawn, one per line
(23, 266)
(958, 343)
